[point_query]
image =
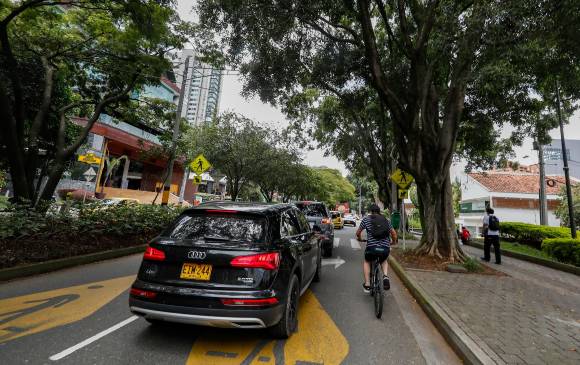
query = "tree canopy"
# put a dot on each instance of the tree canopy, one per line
(73, 59)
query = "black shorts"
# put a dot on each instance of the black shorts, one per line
(381, 252)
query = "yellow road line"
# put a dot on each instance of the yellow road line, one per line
(33, 313)
(318, 341)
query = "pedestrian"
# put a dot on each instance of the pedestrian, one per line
(491, 236)
(465, 235)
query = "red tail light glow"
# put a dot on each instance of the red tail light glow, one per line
(228, 211)
(142, 293)
(250, 302)
(325, 221)
(268, 261)
(154, 254)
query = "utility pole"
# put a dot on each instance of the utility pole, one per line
(169, 178)
(543, 202)
(566, 168)
(359, 198)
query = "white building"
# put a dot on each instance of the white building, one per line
(202, 87)
(514, 196)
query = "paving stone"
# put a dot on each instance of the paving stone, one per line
(528, 317)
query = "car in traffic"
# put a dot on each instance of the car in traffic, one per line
(349, 219)
(337, 219)
(319, 218)
(229, 264)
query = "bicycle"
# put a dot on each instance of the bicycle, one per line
(377, 289)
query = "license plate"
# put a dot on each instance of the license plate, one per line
(196, 271)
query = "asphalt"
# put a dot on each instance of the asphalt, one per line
(337, 323)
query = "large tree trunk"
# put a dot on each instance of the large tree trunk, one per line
(54, 176)
(437, 220)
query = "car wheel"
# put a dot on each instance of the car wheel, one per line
(289, 322)
(318, 273)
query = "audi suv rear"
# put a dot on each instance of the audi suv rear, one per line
(227, 264)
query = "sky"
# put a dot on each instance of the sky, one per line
(231, 100)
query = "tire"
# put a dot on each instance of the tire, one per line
(378, 291)
(318, 273)
(327, 251)
(289, 322)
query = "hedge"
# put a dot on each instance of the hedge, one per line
(89, 219)
(566, 250)
(531, 234)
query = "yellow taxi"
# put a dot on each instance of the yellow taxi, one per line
(337, 219)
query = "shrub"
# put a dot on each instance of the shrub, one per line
(566, 250)
(89, 219)
(531, 234)
(472, 265)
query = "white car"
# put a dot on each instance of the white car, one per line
(349, 219)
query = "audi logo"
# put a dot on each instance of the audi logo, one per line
(199, 255)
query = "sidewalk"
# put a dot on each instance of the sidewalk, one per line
(531, 316)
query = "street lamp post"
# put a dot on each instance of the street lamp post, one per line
(566, 168)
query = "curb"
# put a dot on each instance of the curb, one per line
(58, 264)
(536, 260)
(461, 343)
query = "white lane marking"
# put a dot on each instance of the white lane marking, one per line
(354, 244)
(336, 241)
(335, 262)
(90, 340)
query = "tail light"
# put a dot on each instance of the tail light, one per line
(151, 253)
(250, 302)
(325, 221)
(142, 293)
(225, 211)
(268, 261)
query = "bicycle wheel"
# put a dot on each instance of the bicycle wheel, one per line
(378, 289)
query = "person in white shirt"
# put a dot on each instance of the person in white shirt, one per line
(491, 236)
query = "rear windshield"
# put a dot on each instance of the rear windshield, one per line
(312, 210)
(218, 228)
(334, 215)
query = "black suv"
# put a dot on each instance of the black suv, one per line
(228, 264)
(319, 218)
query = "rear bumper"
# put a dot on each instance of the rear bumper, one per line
(224, 318)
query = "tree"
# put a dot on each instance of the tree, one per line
(350, 125)
(235, 146)
(562, 211)
(433, 65)
(72, 59)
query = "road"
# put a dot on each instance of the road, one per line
(80, 316)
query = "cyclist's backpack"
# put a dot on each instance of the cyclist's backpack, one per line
(493, 224)
(380, 227)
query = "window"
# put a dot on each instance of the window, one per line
(288, 226)
(313, 209)
(304, 225)
(218, 228)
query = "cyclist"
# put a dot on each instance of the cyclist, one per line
(378, 244)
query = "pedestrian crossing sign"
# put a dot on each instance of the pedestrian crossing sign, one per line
(196, 179)
(200, 165)
(402, 179)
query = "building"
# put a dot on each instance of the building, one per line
(513, 195)
(554, 165)
(202, 87)
(140, 168)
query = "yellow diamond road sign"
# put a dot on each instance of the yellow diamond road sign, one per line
(402, 179)
(197, 179)
(199, 165)
(90, 159)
